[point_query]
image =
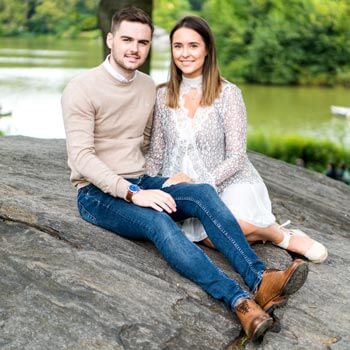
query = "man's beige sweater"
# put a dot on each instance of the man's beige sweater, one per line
(107, 124)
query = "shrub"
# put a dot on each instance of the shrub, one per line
(316, 154)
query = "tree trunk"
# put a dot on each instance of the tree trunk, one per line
(106, 10)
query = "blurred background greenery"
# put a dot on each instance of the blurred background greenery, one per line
(290, 58)
(259, 41)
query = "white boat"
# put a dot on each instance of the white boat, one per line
(342, 111)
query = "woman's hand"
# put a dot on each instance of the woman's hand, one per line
(177, 178)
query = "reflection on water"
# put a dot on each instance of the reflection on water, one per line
(31, 60)
(30, 52)
(33, 95)
(301, 110)
(34, 72)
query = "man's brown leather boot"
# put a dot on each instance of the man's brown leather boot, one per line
(254, 320)
(276, 285)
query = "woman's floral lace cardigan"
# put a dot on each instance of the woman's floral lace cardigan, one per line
(210, 147)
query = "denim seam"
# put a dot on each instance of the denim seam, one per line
(92, 217)
(219, 270)
(254, 289)
(244, 293)
(222, 230)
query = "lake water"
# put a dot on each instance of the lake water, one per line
(33, 73)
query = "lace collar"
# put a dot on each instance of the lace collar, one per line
(189, 83)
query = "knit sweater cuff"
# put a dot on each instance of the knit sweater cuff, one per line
(122, 188)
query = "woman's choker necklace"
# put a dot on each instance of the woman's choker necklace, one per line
(192, 82)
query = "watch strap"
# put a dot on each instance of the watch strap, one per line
(129, 195)
(132, 189)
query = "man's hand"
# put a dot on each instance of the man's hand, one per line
(155, 199)
(177, 178)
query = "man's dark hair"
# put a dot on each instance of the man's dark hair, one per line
(130, 14)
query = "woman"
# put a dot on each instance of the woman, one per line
(199, 134)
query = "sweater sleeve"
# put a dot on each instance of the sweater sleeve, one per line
(147, 134)
(79, 123)
(155, 154)
(235, 128)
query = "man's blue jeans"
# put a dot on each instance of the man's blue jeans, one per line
(192, 200)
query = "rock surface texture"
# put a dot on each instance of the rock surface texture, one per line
(65, 284)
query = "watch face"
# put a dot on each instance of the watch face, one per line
(134, 188)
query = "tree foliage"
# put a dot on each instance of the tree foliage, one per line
(167, 13)
(13, 16)
(259, 41)
(282, 42)
(58, 17)
(71, 17)
(316, 153)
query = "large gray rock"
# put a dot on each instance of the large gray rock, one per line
(66, 284)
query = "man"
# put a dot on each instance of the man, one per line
(107, 116)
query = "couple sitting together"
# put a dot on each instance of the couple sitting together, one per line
(144, 160)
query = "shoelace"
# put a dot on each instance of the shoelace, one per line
(288, 222)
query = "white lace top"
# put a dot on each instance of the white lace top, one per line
(210, 147)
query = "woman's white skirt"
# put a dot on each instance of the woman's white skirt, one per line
(247, 202)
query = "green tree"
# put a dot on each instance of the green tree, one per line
(279, 42)
(63, 17)
(57, 17)
(167, 13)
(196, 5)
(13, 17)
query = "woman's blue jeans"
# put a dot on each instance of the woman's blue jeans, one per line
(192, 200)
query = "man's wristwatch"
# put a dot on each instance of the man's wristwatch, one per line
(132, 189)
